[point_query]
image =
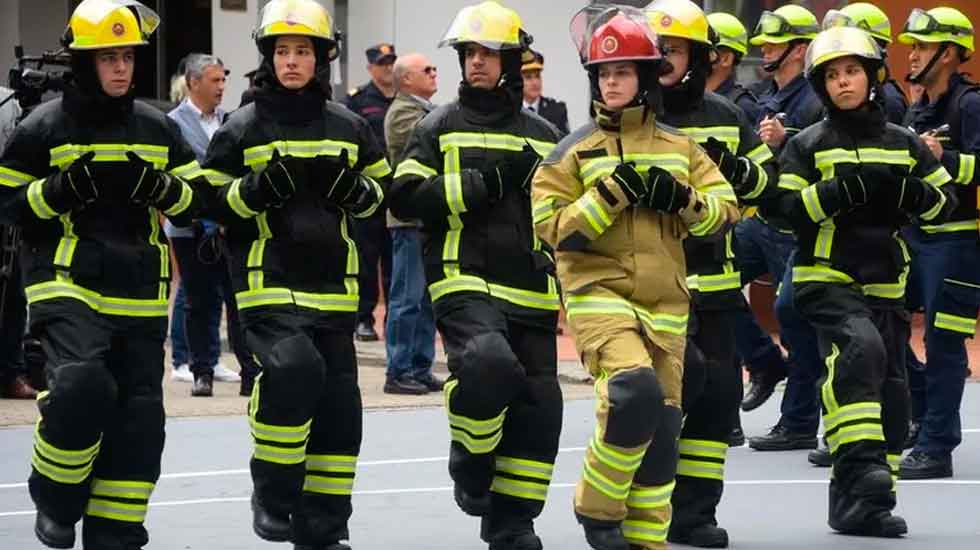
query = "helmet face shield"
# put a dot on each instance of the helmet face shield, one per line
(612, 34)
(488, 24)
(775, 29)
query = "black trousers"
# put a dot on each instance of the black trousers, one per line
(97, 448)
(12, 325)
(207, 282)
(710, 398)
(865, 391)
(504, 406)
(374, 246)
(306, 418)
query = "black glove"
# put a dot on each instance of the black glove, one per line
(324, 170)
(855, 190)
(73, 188)
(493, 179)
(666, 193)
(917, 196)
(521, 168)
(734, 168)
(151, 185)
(342, 186)
(630, 182)
(274, 185)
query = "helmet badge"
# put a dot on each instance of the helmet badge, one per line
(118, 29)
(610, 45)
(666, 21)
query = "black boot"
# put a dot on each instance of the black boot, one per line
(471, 505)
(203, 385)
(913, 436)
(737, 437)
(269, 526)
(922, 465)
(820, 457)
(865, 509)
(761, 387)
(603, 535)
(702, 536)
(781, 438)
(53, 534)
(525, 540)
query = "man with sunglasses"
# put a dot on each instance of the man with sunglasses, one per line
(945, 270)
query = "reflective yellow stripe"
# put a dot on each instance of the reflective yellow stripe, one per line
(826, 161)
(811, 201)
(543, 211)
(342, 486)
(955, 323)
(650, 497)
(967, 168)
(851, 434)
(715, 283)
(236, 202)
(12, 178)
(867, 410)
(472, 425)
(729, 135)
(761, 182)
(68, 476)
(280, 455)
(820, 274)
(261, 154)
(951, 227)
(284, 296)
(35, 197)
(379, 198)
(703, 447)
(483, 140)
(792, 182)
(460, 283)
(118, 511)
(524, 467)
(377, 170)
(646, 531)
(594, 305)
(760, 154)
(256, 253)
(66, 154)
(894, 462)
(217, 178)
(185, 200)
(412, 167)
(720, 189)
(153, 219)
(280, 434)
(930, 214)
(593, 169)
(594, 214)
(135, 490)
(68, 457)
(527, 298)
(938, 177)
(711, 216)
(131, 307)
(518, 488)
(700, 469)
(606, 486)
(331, 463)
(827, 389)
(188, 171)
(615, 459)
(825, 239)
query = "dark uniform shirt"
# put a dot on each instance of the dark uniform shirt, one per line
(896, 104)
(555, 112)
(797, 100)
(743, 97)
(372, 105)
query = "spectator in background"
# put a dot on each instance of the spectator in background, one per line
(180, 369)
(372, 101)
(204, 273)
(552, 110)
(14, 383)
(410, 328)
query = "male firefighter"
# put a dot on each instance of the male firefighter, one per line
(466, 174)
(87, 176)
(732, 43)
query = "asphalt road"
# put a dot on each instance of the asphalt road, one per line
(403, 494)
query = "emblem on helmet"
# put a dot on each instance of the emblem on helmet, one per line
(610, 45)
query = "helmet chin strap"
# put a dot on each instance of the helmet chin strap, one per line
(921, 75)
(773, 66)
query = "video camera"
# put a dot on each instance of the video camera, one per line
(31, 78)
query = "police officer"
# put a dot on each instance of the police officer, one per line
(789, 106)
(466, 175)
(872, 19)
(946, 260)
(711, 389)
(621, 176)
(850, 182)
(732, 43)
(371, 101)
(290, 171)
(552, 110)
(87, 176)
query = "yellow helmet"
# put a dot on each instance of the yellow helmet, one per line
(867, 17)
(98, 24)
(678, 18)
(730, 31)
(938, 25)
(488, 24)
(297, 17)
(837, 42)
(786, 24)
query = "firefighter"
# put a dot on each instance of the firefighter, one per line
(873, 20)
(732, 43)
(292, 170)
(466, 175)
(87, 176)
(616, 200)
(712, 391)
(849, 183)
(946, 258)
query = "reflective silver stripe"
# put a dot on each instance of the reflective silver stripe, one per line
(136, 490)
(328, 485)
(132, 513)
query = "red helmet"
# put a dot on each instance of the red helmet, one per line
(622, 39)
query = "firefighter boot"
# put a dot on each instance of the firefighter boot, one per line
(865, 510)
(53, 534)
(471, 505)
(267, 525)
(603, 535)
(702, 536)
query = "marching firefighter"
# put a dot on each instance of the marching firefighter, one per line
(87, 176)
(711, 389)
(616, 200)
(849, 183)
(292, 170)
(945, 257)
(466, 174)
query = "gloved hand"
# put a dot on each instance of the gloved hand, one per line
(666, 193)
(151, 185)
(917, 196)
(73, 188)
(521, 168)
(855, 189)
(734, 168)
(274, 185)
(630, 182)
(342, 186)
(493, 179)
(324, 170)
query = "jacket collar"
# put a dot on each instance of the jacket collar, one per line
(623, 120)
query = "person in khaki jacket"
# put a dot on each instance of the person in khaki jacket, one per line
(410, 328)
(615, 200)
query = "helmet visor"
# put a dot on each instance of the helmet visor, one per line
(588, 20)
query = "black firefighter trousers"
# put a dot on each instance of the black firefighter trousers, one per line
(504, 405)
(97, 447)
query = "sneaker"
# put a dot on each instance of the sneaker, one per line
(181, 373)
(224, 374)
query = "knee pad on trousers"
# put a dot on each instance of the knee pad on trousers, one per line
(491, 375)
(294, 371)
(84, 392)
(865, 349)
(660, 461)
(636, 403)
(695, 374)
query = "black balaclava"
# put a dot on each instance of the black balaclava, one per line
(689, 92)
(502, 102)
(867, 120)
(650, 93)
(84, 97)
(275, 101)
